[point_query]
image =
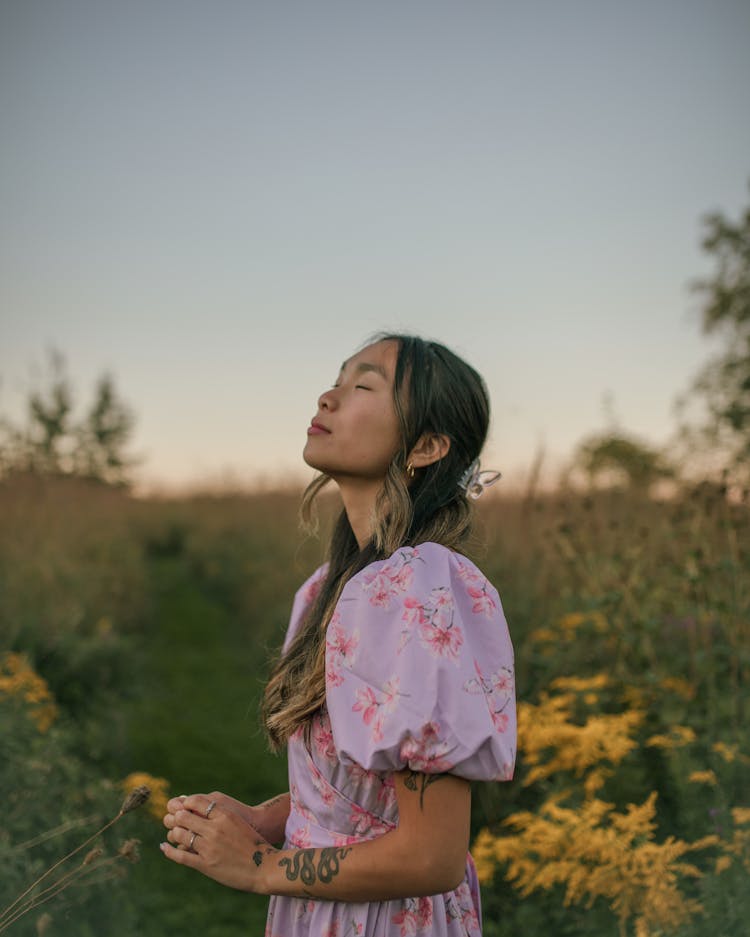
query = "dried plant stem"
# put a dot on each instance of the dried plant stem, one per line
(51, 834)
(136, 798)
(111, 876)
(55, 888)
(49, 892)
(9, 910)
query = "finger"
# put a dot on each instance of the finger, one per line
(198, 803)
(184, 839)
(193, 821)
(175, 803)
(170, 821)
(180, 856)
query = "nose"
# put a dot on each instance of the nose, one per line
(327, 400)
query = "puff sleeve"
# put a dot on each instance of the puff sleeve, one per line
(419, 668)
(302, 599)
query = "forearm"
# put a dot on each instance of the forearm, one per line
(272, 816)
(424, 855)
(391, 866)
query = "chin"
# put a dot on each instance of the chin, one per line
(311, 460)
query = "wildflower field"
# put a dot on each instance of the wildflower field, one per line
(134, 640)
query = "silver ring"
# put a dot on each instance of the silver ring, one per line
(210, 808)
(192, 840)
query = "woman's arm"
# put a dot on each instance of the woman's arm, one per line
(424, 855)
(268, 818)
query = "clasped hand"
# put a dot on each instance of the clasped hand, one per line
(221, 845)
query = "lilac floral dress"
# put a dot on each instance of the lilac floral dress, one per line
(419, 675)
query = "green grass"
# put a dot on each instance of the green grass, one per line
(195, 723)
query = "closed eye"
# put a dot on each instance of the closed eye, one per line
(356, 386)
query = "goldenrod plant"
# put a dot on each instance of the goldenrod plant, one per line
(573, 740)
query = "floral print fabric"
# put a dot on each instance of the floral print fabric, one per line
(419, 675)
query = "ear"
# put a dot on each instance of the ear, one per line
(430, 447)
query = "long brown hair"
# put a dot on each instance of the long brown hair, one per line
(434, 391)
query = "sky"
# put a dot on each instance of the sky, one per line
(218, 202)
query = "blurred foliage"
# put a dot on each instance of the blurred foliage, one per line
(633, 701)
(612, 454)
(52, 442)
(73, 589)
(723, 384)
(52, 801)
(152, 622)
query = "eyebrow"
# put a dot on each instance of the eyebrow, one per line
(367, 366)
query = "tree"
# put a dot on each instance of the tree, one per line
(52, 443)
(723, 384)
(102, 436)
(50, 417)
(632, 463)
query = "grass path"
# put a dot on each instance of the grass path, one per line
(195, 723)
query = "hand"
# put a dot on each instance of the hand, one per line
(268, 818)
(224, 846)
(231, 804)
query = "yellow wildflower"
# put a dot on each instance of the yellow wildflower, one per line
(580, 684)
(678, 736)
(684, 734)
(566, 627)
(739, 845)
(483, 853)
(573, 620)
(157, 804)
(722, 863)
(18, 678)
(596, 852)
(680, 686)
(552, 743)
(595, 780)
(543, 634)
(703, 777)
(727, 752)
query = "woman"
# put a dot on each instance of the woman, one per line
(395, 685)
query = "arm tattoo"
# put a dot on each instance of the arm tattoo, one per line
(410, 783)
(258, 855)
(273, 801)
(328, 867)
(302, 864)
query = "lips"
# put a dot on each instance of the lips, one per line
(317, 427)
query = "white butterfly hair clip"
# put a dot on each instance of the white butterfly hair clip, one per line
(474, 481)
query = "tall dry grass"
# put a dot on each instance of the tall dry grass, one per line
(631, 622)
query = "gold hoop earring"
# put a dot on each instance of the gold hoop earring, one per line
(410, 470)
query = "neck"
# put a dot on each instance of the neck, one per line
(359, 498)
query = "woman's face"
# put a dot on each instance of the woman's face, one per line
(355, 433)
